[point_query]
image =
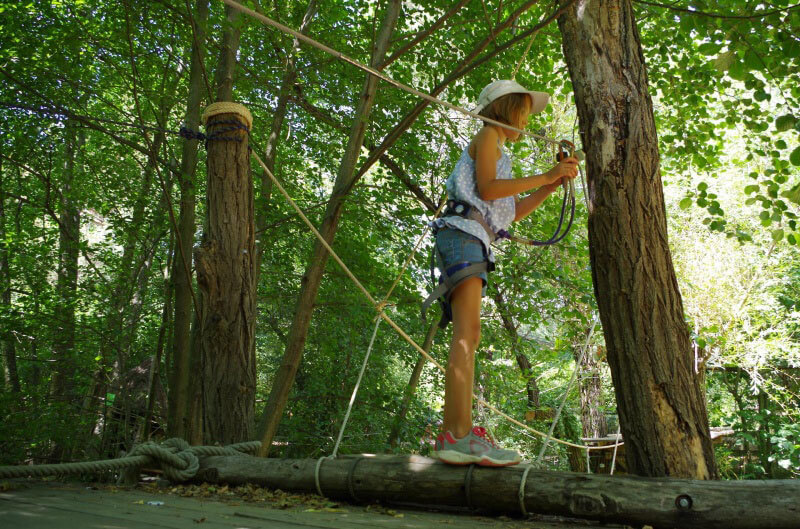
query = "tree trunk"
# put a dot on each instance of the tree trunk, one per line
(181, 263)
(345, 181)
(590, 385)
(408, 394)
(67, 276)
(10, 375)
(661, 405)
(531, 387)
(160, 344)
(226, 67)
(225, 263)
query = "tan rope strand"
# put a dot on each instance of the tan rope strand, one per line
(382, 314)
(376, 73)
(524, 55)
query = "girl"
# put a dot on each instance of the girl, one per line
(483, 202)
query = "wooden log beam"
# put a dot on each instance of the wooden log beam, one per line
(658, 502)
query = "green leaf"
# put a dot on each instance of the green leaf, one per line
(777, 235)
(702, 186)
(792, 49)
(795, 156)
(791, 239)
(709, 48)
(751, 189)
(793, 194)
(724, 61)
(753, 61)
(785, 122)
(738, 71)
(685, 203)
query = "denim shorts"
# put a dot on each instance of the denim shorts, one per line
(454, 247)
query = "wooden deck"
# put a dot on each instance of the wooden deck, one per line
(53, 505)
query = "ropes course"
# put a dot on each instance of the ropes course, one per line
(379, 306)
(178, 459)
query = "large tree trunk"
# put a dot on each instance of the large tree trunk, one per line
(345, 181)
(225, 263)
(181, 263)
(661, 405)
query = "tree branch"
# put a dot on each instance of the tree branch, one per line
(423, 34)
(385, 159)
(754, 16)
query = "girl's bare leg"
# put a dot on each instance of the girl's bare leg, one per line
(465, 303)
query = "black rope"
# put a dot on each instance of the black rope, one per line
(217, 135)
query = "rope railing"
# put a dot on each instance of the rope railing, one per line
(382, 314)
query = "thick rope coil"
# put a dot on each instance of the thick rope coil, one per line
(177, 458)
(226, 107)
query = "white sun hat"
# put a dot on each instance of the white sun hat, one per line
(503, 87)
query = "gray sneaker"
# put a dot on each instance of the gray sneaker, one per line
(477, 447)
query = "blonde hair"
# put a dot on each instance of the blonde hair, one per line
(507, 109)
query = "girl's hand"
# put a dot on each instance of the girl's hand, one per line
(566, 168)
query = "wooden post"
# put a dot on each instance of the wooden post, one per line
(225, 263)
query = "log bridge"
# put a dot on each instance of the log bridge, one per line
(662, 503)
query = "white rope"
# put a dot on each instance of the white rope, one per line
(316, 474)
(588, 462)
(355, 389)
(616, 445)
(376, 73)
(566, 393)
(521, 491)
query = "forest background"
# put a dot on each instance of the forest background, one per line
(95, 189)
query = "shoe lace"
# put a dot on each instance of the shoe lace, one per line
(481, 432)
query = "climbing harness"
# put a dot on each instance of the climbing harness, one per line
(453, 276)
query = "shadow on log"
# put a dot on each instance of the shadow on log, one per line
(659, 502)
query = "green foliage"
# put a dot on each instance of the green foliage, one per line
(727, 104)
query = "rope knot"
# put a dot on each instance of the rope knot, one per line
(176, 457)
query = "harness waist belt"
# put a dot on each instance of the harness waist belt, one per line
(467, 211)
